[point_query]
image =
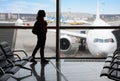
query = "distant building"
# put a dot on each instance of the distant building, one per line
(32, 17)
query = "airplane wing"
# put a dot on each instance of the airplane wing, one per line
(79, 35)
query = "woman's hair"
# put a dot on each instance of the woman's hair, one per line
(41, 13)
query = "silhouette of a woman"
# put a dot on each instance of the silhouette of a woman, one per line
(41, 31)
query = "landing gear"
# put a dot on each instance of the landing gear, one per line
(82, 46)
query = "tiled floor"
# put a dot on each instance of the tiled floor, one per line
(68, 71)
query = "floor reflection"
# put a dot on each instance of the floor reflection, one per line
(21, 78)
(38, 77)
(64, 70)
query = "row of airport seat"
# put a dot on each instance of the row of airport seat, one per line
(10, 64)
(111, 68)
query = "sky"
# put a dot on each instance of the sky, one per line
(83, 6)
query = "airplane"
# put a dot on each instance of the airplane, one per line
(20, 22)
(100, 42)
(17, 22)
(78, 21)
(50, 19)
(75, 21)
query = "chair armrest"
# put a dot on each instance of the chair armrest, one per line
(116, 57)
(10, 62)
(20, 51)
(2, 70)
(116, 52)
(17, 56)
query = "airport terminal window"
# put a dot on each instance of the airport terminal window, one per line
(24, 12)
(80, 14)
(75, 15)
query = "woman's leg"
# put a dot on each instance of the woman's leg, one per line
(36, 49)
(42, 51)
(42, 48)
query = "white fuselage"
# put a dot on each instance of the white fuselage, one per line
(101, 42)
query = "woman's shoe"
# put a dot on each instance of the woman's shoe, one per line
(44, 61)
(32, 60)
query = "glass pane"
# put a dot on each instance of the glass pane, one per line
(88, 43)
(90, 13)
(26, 40)
(25, 11)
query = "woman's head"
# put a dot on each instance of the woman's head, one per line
(41, 14)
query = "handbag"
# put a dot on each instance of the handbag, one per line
(34, 30)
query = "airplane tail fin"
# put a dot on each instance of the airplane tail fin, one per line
(98, 21)
(98, 10)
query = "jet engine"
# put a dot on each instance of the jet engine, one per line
(65, 43)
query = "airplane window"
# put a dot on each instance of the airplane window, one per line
(112, 40)
(109, 40)
(103, 40)
(98, 40)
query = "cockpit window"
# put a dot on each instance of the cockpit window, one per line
(109, 40)
(98, 40)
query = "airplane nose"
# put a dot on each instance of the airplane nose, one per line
(103, 54)
(104, 51)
